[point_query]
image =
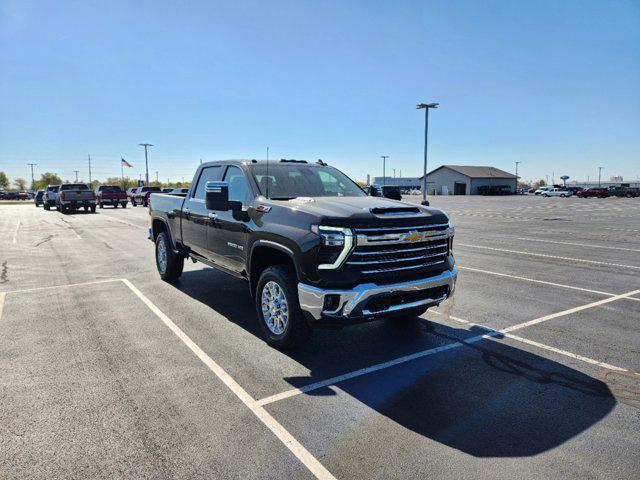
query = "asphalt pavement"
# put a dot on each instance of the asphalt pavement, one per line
(530, 371)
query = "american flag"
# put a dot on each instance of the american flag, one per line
(124, 163)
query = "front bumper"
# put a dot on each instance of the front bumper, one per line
(370, 301)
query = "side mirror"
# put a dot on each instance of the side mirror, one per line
(217, 196)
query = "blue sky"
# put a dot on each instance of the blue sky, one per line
(554, 85)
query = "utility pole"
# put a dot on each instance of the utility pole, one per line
(400, 173)
(33, 180)
(146, 160)
(76, 172)
(517, 163)
(394, 173)
(89, 171)
(599, 176)
(157, 181)
(426, 107)
(384, 169)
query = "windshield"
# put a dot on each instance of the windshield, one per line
(74, 186)
(286, 181)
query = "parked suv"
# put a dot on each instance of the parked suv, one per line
(38, 199)
(315, 250)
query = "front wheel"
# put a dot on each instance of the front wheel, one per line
(101, 205)
(47, 207)
(278, 308)
(124, 205)
(133, 202)
(169, 264)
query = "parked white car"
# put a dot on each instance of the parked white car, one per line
(557, 192)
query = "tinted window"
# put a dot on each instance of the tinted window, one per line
(110, 188)
(150, 189)
(208, 174)
(74, 186)
(238, 190)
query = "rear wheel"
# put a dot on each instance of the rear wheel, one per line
(169, 264)
(93, 209)
(101, 205)
(133, 202)
(124, 205)
(278, 308)
(47, 207)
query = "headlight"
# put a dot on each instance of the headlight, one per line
(336, 244)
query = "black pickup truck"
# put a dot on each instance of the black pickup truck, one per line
(314, 248)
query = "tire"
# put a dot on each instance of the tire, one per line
(169, 264)
(145, 203)
(133, 202)
(124, 205)
(62, 209)
(278, 286)
(93, 209)
(47, 207)
(101, 205)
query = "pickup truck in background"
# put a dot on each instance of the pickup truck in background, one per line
(111, 195)
(73, 196)
(141, 195)
(557, 192)
(315, 250)
(593, 192)
(50, 196)
(628, 192)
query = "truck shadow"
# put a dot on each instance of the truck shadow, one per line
(485, 398)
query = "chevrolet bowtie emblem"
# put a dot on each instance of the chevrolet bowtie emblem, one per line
(413, 237)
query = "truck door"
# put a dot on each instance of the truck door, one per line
(196, 220)
(229, 238)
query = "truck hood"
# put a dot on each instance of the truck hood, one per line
(347, 210)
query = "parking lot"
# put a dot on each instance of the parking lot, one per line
(529, 371)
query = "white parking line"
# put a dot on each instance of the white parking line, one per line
(544, 282)
(577, 244)
(301, 453)
(15, 234)
(407, 358)
(123, 221)
(36, 289)
(594, 262)
(536, 344)
(2, 297)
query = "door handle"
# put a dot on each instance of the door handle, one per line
(213, 216)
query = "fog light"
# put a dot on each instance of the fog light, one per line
(331, 303)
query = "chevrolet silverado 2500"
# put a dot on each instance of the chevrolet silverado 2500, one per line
(314, 248)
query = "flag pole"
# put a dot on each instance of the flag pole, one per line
(122, 172)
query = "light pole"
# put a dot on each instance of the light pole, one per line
(384, 171)
(33, 180)
(76, 172)
(157, 181)
(599, 176)
(146, 160)
(517, 163)
(426, 107)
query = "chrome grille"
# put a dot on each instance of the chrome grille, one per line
(403, 249)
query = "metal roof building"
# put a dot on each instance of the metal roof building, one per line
(470, 180)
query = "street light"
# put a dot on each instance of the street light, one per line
(517, 163)
(384, 164)
(426, 107)
(146, 160)
(599, 175)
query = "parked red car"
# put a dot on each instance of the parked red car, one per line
(593, 192)
(111, 195)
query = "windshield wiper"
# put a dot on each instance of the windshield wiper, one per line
(282, 198)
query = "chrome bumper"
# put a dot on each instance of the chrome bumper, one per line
(352, 303)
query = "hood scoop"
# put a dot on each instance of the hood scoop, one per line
(394, 210)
